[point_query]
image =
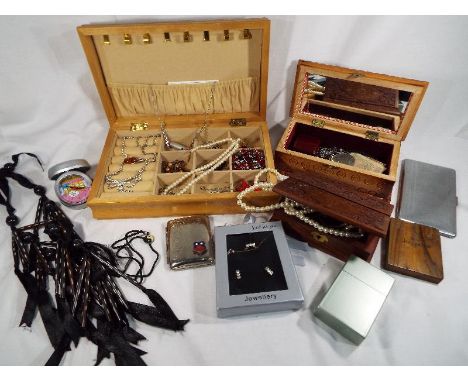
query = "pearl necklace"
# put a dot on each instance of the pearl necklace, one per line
(289, 206)
(293, 208)
(206, 169)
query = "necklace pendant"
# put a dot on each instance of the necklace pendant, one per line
(250, 246)
(177, 146)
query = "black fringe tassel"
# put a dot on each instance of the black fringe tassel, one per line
(88, 302)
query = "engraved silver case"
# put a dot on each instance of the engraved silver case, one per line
(427, 196)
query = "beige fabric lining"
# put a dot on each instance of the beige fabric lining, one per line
(231, 96)
(162, 62)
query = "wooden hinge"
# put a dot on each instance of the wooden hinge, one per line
(238, 122)
(372, 135)
(139, 126)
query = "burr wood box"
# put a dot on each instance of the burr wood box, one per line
(341, 147)
(202, 82)
(414, 250)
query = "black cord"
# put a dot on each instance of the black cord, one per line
(133, 256)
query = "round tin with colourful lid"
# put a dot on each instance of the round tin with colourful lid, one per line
(80, 165)
(72, 185)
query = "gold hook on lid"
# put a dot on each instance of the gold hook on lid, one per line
(105, 39)
(246, 34)
(187, 37)
(147, 38)
(206, 36)
(139, 126)
(227, 37)
(167, 37)
(127, 39)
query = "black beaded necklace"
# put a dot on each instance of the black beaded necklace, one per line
(88, 301)
(134, 256)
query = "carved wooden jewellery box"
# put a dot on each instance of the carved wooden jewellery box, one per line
(341, 152)
(186, 102)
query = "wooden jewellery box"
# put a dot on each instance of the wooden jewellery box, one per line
(341, 150)
(201, 82)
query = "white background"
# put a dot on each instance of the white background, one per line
(49, 106)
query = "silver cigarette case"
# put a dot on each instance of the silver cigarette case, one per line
(354, 300)
(427, 196)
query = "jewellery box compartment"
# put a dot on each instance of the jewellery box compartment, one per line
(334, 213)
(338, 247)
(156, 177)
(343, 100)
(341, 150)
(361, 117)
(199, 82)
(300, 132)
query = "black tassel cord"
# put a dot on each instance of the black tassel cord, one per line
(88, 301)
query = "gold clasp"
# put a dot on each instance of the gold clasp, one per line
(139, 126)
(105, 39)
(317, 123)
(372, 135)
(238, 122)
(321, 238)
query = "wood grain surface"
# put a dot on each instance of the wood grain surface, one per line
(334, 206)
(308, 168)
(414, 250)
(338, 247)
(365, 96)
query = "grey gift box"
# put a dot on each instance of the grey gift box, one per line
(354, 300)
(228, 305)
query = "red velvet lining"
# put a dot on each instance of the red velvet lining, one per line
(329, 138)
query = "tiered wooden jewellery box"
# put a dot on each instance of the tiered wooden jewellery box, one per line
(341, 151)
(201, 81)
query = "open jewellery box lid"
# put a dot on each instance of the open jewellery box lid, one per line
(355, 100)
(154, 71)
